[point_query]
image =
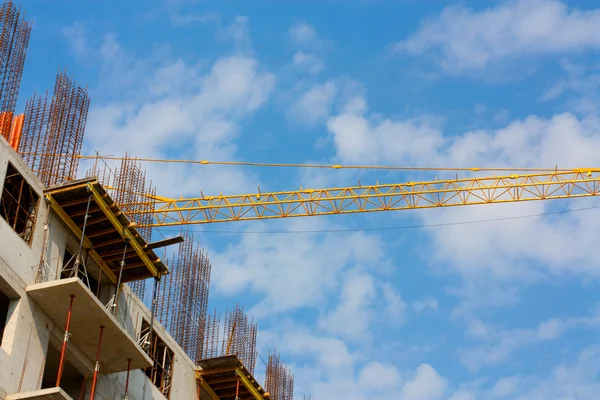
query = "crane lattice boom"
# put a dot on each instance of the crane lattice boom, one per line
(385, 197)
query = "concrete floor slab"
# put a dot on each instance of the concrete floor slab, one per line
(86, 318)
(42, 394)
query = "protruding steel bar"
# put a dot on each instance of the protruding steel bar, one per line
(127, 379)
(85, 220)
(97, 366)
(64, 346)
(118, 288)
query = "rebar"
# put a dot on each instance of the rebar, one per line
(35, 128)
(279, 381)
(239, 337)
(14, 40)
(211, 335)
(129, 189)
(183, 297)
(53, 132)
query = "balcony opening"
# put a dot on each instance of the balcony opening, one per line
(18, 204)
(4, 305)
(161, 372)
(72, 381)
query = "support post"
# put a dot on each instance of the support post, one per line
(63, 352)
(237, 390)
(97, 366)
(152, 308)
(118, 288)
(127, 380)
(79, 252)
(85, 219)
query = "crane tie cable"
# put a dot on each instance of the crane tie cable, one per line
(335, 166)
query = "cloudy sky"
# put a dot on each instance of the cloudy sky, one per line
(383, 305)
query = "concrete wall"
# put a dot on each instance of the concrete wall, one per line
(26, 335)
(140, 388)
(29, 332)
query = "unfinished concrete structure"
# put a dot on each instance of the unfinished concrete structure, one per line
(69, 326)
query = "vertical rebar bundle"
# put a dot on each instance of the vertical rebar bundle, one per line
(236, 336)
(183, 297)
(33, 141)
(14, 40)
(66, 127)
(240, 337)
(279, 381)
(210, 336)
(134, 196)
(53, 133)
(130, 191)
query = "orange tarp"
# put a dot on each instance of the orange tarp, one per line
(16, 131)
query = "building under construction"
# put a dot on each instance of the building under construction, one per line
(91, 306)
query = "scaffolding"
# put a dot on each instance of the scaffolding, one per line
(14, 40)
(53, 131)
(182, 298)
(279, 381)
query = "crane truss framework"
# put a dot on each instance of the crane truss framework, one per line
(406, 196)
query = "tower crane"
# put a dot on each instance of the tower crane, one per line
(533, 185)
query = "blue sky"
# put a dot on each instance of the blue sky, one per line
(502, 310)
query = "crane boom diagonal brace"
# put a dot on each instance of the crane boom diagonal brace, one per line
(386, 197)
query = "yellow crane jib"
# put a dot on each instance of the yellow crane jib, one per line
(380, 197)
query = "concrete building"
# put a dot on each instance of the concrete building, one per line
(64, 251)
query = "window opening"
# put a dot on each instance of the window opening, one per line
(18, 204)
(161, 372)
(4, 304)
(72, 382)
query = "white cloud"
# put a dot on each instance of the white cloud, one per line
(359, 140)
(168, 108)
(327, 368)
(307, 61)
(378, 376)
(577, 380)
(579, 87)
(186, 19)
(76, 38)
(351, 318)
(184, 13)
(314, 105)
(359, 305)
(499, 344)
(421, 305)
(464, 40)
(304, 35)
(238, 32)
(489, 258)
(255, 263)
(395, 307)
(426, 384)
